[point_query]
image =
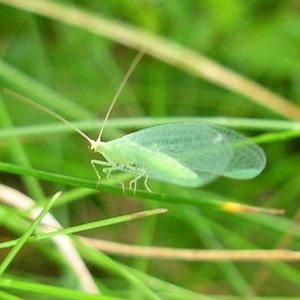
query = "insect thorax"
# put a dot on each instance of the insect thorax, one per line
(125, 155)
(121, 154)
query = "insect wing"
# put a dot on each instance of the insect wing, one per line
(197, 146)
(248, 158)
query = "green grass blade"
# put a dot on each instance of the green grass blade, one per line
(25, 237)
(36, 289)
(202, 203)
(87, 226)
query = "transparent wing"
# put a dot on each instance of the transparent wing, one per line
(209, 150)
(197, 146)
(248, 158)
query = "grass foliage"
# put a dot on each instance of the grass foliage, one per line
(231, 62)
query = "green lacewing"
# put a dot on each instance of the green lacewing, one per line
(188, 154)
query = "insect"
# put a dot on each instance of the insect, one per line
(188, 154)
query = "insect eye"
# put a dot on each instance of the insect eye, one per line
(91, 148)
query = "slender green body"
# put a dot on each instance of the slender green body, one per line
(187, 154)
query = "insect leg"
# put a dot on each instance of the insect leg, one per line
(99, 163)
(146, 185)
(108, 171)
(134, 181)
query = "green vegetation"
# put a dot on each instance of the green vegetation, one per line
(235, 63)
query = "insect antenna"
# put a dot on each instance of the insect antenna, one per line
(124, 81)
(47, 111)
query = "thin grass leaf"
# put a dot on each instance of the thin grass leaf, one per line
(203, 203)
(87, 226)
(36, 289)
(26, 236)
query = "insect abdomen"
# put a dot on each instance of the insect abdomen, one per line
(133, 158)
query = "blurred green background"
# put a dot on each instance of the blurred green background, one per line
(77, 72)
